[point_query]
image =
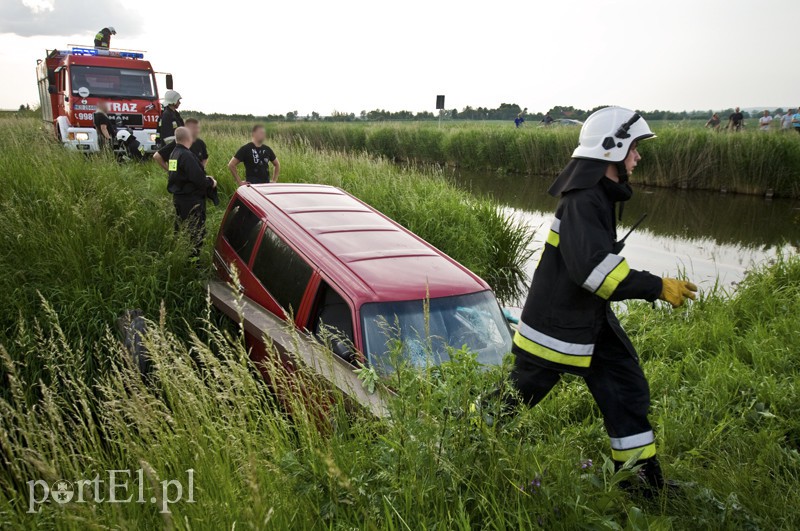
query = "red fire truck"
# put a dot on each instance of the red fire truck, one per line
(72, 82)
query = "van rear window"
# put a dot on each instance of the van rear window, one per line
(241, 230)
(282, 271)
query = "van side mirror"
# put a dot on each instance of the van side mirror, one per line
(52, 89)
(509, 317)
(341, 349)
(169, 82)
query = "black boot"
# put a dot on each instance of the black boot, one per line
(649, 481)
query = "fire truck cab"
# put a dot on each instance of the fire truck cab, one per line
(72, 82)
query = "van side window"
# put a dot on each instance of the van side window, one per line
(332, 313)
(241, 230)
(282, 271)
(333, 321)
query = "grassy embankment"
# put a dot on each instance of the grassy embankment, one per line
(94, 239)
(688, 156)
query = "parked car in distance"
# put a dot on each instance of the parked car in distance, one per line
(567, 122)
(336, 267)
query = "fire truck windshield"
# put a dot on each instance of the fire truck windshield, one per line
(111, 82)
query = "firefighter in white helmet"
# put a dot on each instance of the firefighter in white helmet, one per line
(568, 324)
(170, 118)
(103, 37)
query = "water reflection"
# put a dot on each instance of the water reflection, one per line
(711, 236)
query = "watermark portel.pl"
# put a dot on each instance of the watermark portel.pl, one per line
(121, 486)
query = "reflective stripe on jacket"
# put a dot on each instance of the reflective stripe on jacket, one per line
(578, 274)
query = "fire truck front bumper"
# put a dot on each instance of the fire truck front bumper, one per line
(147, 139)
(83, 139)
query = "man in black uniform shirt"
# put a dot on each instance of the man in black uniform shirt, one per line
(198, 146)
(256, 157)
(103, 37)
(170, 118)
(105, 126)
(188, 184)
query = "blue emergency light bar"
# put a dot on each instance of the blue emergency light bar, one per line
(110, 53)
(85, 51)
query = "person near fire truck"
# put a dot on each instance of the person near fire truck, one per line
(170, 118)
(198, 146)
(568, 324)
(189, 186)
(103, 37)
(105, 126)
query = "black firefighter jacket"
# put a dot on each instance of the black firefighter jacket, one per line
(578, 274)
(187, 178)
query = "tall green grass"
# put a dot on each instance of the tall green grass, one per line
(723, 374)
(94, 238)
(751, 162)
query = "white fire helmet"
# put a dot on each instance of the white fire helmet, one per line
(171, 97)
(607, 134)
(123, 135)
(112, 30)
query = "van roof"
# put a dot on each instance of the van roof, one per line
(365, 253)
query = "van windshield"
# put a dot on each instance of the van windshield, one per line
(111, 82)
(474, 320)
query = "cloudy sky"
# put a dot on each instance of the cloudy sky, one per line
(348, 55)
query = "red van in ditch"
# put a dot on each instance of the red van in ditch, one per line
(339, 268)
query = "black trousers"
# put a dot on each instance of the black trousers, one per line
(190, 214)
(615, 379)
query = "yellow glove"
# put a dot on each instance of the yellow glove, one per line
(676, 291)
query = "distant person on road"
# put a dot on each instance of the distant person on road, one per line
(547, 120)
(765, 121)
(786, 121)
(736, 120)
(198, 146)
(189, 186)
(256, 157)
(170, 118)
(105, 126)
(796, 120)
(713, 122)
(103, 37)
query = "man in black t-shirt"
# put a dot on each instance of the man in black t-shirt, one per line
(198, 146)
(105, 126)
(736, 120)
(256, 157)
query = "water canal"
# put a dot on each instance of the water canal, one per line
(710, 237)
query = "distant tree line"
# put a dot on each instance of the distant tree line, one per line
(506, 111)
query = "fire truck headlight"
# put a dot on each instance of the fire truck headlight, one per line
(153, 137)
(82, 137)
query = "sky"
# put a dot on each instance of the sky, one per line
(240, 56)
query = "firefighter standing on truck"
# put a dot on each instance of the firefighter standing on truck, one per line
(189, 186)
(567, 324)
(103, 37)
(170, 118)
